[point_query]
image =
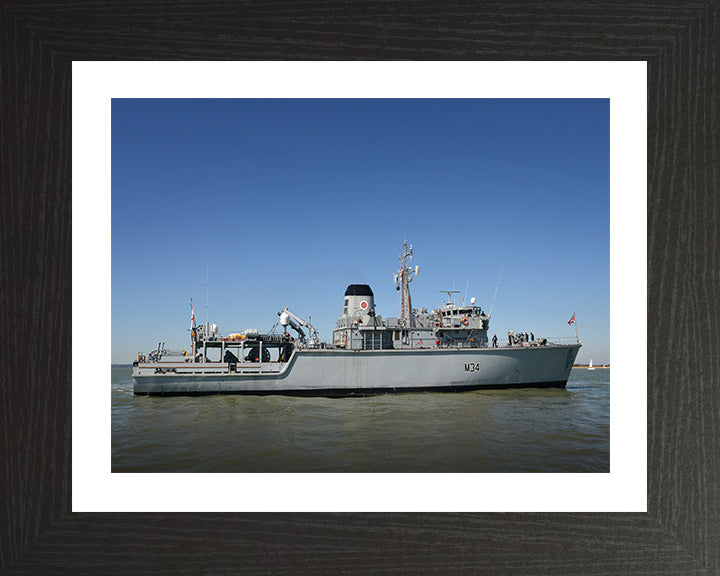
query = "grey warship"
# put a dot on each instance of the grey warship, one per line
(438, 350)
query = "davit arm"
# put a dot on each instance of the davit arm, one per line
(288, 318)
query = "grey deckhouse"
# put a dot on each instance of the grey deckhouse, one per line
(360, 328)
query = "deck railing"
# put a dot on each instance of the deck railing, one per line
(563, 340)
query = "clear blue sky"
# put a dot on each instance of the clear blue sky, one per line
(289, 201)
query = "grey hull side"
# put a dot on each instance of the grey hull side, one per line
(363, 372)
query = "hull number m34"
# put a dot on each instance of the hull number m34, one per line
(472, 367)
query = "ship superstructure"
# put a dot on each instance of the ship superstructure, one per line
(445, 349)
(360, 328)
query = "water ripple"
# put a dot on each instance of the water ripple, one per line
(533, 430)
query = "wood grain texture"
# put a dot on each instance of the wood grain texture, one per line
(680, 534)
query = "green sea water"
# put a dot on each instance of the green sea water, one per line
(519, 430)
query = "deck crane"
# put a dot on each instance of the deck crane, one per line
(288, 318)
(161, 351)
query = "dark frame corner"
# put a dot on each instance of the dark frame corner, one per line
(680, 532)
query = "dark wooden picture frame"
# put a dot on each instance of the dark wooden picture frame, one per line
(680, 533)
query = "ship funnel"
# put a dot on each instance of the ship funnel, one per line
(359, 301)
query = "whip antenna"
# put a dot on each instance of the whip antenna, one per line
(496, 289)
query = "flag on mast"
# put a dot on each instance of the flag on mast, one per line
(572, 320)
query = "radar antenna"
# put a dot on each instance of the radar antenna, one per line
(449, 293)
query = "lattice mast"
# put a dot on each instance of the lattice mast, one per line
(402, 281)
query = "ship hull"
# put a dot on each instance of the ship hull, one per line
(367, 372)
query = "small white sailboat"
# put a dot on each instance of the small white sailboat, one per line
(590, 366)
